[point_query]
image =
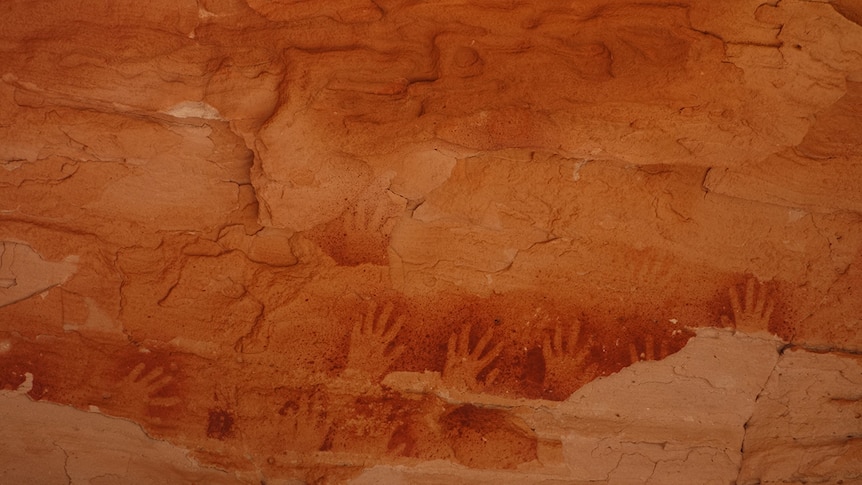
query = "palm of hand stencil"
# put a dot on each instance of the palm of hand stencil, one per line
(565, 359)
(372, 351)
(754, 312)
(364, 233)
(365, 218)
(307, 423)
(658, 274)
(463, 365)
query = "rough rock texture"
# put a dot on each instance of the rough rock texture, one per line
(431, 242)
(807, 423)
(65, 445)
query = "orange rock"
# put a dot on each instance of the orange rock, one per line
(388, 240)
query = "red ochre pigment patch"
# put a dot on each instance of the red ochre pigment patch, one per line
(361, 233)
(488, 438)
(382, 425)
(520, 324)
(220, 424)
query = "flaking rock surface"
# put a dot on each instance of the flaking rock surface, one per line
(431, 242)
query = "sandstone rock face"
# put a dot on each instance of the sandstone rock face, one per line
(806, 424)
(431, 242)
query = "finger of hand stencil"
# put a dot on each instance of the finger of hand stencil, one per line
(368, 325)
(483, 342)
(760, 301)
(492, 376)
(547, 350)
(136, 372)
(149, 378)
(634, 355)
(734, 304)
(558, 340)
(650, 348)
(159, 384)
(491, 355)
(749, 296)
(380, 328)
(575, 335)
(390, 334)
(464, 341)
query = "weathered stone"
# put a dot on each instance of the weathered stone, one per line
(807, 421)
(433, 242)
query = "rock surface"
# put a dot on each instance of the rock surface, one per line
(389, 241)
(64, 445)
(806, 424)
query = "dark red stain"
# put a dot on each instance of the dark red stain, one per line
(416, 434)
(12, 372)
(220, 424)
(402, 441)
(430, 321)
(352, 246)
(533, 371)
(488, 438)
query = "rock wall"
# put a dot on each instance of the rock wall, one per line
(431, 242)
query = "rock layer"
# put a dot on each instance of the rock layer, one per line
(375, 241)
